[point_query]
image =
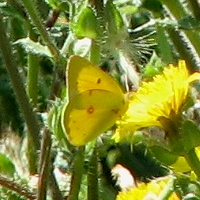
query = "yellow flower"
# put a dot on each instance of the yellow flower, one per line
(162, 98)
(152, 190)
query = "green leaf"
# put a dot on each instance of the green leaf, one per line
(34, 47)
(128, 9)
(164, 45)
(6, 166)
(153, 5)
(163, 155)
(113, 17)
(55, 123)
(10, 9)
(189, 23)
(190, 135)
(154, 67)
(187, 188)
(60, 5)
(86, 25)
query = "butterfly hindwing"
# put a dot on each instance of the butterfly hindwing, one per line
(90, 114)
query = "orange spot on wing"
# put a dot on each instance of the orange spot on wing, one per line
(90, 110)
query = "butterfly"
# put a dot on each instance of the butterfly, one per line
(96, 101)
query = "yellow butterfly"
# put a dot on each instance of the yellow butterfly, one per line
(96, 101)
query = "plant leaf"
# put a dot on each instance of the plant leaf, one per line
(6, 165)
(34, 47)
(190, 135)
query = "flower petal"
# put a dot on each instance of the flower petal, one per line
(165, 96)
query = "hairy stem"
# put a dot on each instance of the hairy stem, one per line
(44, 165)
(168, 190)
(93, 177)
(36, 20)
(195, 7)
(192, 35)
(76, 179)
(184, 48)
(95, 53)
(193, 161)
(54, 188)
(32, 92)
(17, 188)
(18, 86)
(33, 69)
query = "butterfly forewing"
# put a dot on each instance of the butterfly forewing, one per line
(83, 76)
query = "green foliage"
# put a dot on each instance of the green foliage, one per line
(9, 195)
(153, 5)
(136, 38)
(187, 188)
(9, 108)
(138, 159)
(86, 25)
(6, 166)
(54, 122)
(34, 47)
(153, 67)
(163, 155)
(190, 135)
(113, 17)
(60, 5)
(189, 23)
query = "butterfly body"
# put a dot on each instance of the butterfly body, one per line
(95, 102)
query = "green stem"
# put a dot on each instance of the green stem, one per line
(95, 53)
(18, 86)
(36, 19)
(33, 69)
(93, 177)
(65, 49)
(32, 81)
(54, 187)
(4, 182)
(184, 48)
(44, 165)
(78, 167)
(193, 161)
(168, 190)
(195, 7)
(32, 92)
(177, 9)
(32, 156)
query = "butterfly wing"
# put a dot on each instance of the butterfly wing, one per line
(90, 114)
(83, 76)
(95, 101)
